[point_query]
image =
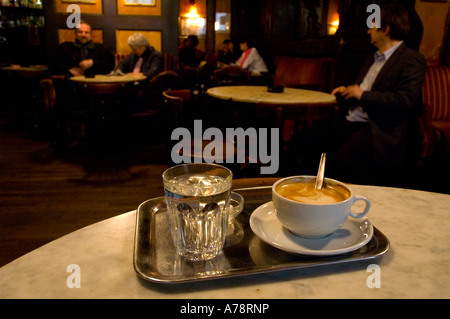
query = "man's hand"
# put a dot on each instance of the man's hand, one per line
(351, 91)
(75, 71)
(86, 64)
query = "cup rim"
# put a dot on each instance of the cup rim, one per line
(196, 164)
(312, 177)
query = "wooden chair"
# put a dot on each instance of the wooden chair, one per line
(231, 75)
(174, 105)
(305, 131)
(48, 94)
(49, 115)
(166, 80)
(175, 102)
(305, 73)
(61, 124)
(436, 99)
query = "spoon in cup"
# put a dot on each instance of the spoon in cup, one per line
(321, 172)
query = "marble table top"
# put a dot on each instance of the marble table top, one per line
(416, 223)
(109, 78)
(255, 94)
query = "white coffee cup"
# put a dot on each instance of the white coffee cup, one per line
(315, 219)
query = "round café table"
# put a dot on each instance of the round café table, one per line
(31, 68)
(99, 78)
(415, 266)
(259, 94)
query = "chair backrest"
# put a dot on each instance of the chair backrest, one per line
(183, 94)
(168, 62)
(436, 91)
(48, 94)
(307, 73)
(174, 101)
(286, 116)
(167, 80)
(232, 75)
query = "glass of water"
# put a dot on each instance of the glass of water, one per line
(198, 201)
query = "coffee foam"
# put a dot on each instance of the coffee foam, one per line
(305, 192)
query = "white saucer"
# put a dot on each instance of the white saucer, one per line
(354, 234)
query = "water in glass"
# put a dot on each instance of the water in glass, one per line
(198, 208)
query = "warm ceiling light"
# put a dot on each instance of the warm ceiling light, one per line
(193, 11)
(191, 22)
(333, 27)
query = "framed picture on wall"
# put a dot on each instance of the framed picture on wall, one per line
(434, 1)
(86, 6)
(139, 2)
(139, 7)
(79, 1)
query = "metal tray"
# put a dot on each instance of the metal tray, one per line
(244, 253)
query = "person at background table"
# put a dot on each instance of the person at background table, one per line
(189, 55)
(226, 54)
(144, 58)
(250, 59)
(377, 130)
(83, 56)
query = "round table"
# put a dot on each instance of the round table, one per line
(259, 94)
(415, 266)
(109, 78)
(32, 68)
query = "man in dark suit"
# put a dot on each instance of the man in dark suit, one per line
(378, 131)
(83, 56)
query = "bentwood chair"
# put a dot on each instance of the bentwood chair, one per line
(48, 95)
(231, 75)
(176, 102)
(60, 122)
(305, 132)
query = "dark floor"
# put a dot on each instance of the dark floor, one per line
(45, 195)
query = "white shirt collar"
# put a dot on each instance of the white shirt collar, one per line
(388, 53)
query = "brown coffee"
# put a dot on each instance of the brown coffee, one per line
(305, 192)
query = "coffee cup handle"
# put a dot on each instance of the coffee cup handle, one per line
(364, 211)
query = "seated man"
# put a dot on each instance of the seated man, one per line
(189, 54)
(226, 54)
(378, 131)
(83, 56)
(144, 58)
